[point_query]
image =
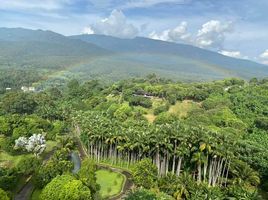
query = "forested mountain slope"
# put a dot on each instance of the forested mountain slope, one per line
(179, 58)
(59, 58)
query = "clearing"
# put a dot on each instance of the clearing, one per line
(182, 108)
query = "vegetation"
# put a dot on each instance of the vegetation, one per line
(203, 140)
(65, 187)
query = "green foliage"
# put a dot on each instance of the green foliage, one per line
(216, 101)
(165, 118)
(141, 194)
(19, 103)
(145, 174)
(238, 192)
(87, 174)
(243, 174)
(262, 123)
(161, 109)
(27, 165)
(58, 165)
(123, 112)
(3, 195)
(65, 187)
(216, 150)
(8, 179)
(140, 101)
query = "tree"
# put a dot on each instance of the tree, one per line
(145, 174)
(3, 195)
(87, 174)
(65, 187)
(35, 144)
(8, 178)
(57, 165)
(73, 88)
(28, 165)
(123, 112)
(18, 102)
(243, 174)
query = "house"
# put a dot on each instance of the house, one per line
(31, 89)
(28, 89)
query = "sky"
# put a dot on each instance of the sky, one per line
(237, 28)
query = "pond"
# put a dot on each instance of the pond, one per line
(76, 161)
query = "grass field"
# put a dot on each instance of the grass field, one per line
(7, 160)
(181, 109)
(150, 112)
(110, 182)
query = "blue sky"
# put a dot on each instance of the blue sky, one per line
(237, 28)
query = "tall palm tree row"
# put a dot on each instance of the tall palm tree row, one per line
(173, 148)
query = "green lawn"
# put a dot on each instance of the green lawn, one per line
(7, 160)
(111, 182)
(181, 109)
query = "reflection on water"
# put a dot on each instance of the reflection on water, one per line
(76, 161)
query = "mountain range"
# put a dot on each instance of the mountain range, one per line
(109, 58)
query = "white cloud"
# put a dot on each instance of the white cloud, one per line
(115, 25)
(263, 58)
(265, 62)
(88, 30)
(149, 3)
(32, 4)
(264, 55)
(234, 54)
(178, 34)
(212, 34)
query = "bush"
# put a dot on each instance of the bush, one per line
(8, 179)
(3, 195)
(145, 174)
(140, 101)
(28, 165)
(141, 194)
(262, 123)
(161, 109)
(165, 118)
(65, 187)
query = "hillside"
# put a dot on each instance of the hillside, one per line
(59, 58)
(42, 49)
(179, 59)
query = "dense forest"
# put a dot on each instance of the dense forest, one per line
(178, 140)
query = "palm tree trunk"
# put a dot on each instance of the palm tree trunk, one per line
(173, 164)
(205, 170)
(179, 166)
(199, 169)
(226, 178)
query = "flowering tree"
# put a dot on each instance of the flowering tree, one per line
(35, 144)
